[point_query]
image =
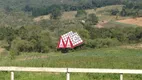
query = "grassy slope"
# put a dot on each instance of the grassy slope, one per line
(97, 58)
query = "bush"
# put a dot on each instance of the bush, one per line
(99, 43)
(4, 44)
(114, 11)
(81, 13)
(13, 53)
(56, 12)
(92, 19)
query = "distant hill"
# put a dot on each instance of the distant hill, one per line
(34, 3)
(16, 4)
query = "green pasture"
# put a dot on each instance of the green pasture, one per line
(113, 58)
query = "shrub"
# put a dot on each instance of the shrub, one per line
(81, 13)
(99, 43)
(114, 11)
(92, 19)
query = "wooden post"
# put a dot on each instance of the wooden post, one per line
(121, 76)
(68, 75)
(12, 75)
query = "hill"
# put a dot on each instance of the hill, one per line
(20, 4)
(35, 3)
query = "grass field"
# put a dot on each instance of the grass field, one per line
(114, 58)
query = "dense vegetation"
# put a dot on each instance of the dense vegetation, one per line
(44, 39)
(44, 7)
(130, 8)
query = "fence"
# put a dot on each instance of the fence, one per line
(69, 70)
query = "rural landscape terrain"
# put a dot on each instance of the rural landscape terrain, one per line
(111, 31)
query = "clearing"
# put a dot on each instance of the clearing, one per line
(134, 21)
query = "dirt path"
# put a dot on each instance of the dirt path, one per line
(33, 57)
(135, 21)
(135, 46)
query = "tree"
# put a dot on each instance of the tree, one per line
(27, 8)
(56, 12)
(92, 19)
(114, 11)
(123, 12)
(44, 41)
(81, 13)
(8, 9)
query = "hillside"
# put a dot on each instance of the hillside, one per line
(20, 4)
(103, 14)
(14, 19)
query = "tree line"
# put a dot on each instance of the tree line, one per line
(44, 10)
(130, 8)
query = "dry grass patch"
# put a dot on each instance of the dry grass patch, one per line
(134, 46)
(45, 17)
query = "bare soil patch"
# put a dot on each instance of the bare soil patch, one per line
(33, 57)
(45, 17)
(101, 24)
(135, 46)
(134, 21)
(1, 50)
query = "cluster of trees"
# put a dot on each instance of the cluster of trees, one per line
(38, 9)
(27, 39)
(132, 9)
(81, 5)
(106, 37)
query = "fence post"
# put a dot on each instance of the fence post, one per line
(12, 75)
(121, 76)
(68, 75)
